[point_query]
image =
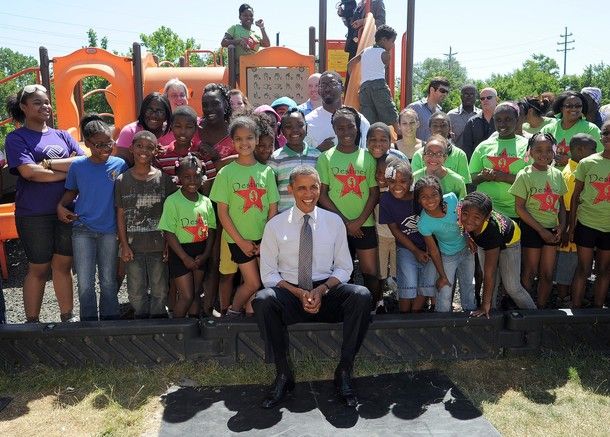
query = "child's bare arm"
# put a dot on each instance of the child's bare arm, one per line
(63, 213)
(578, 187)
(328, 204)
(248, 247)
(126, 252)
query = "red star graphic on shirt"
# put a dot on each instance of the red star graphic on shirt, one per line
(562, 148)
(199, 230)
(547, 199)
(603, 190)
(252, 195)
(502, 162)
(351, 181)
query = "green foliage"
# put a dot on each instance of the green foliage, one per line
(12, 62)
(597, 75)
(537, 75)
(452, 70)
(168, 46)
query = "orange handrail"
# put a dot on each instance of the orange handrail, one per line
(7, 79)
(99, 90)
(170, 63)
(187, 55)
(21, 73)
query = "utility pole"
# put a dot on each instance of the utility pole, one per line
(565, 47)
(450, 55)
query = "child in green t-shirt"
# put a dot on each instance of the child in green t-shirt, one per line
(589, 224)
(538, 191)
(189, 225)
(246, 194)
(581, 146)
(497, 160)
(435, 154)
(350, 190)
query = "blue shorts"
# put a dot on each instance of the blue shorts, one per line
(565, 267)
(413, 277)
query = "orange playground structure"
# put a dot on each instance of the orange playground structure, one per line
(125, 75)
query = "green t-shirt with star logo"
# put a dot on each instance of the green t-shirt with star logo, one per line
(504, 155)
(349, 177)
(541, 190)
(563, 136)
(248, 190)
(450, 183)
(594, 208)
(188, 220)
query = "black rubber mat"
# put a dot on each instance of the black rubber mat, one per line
(418, 403)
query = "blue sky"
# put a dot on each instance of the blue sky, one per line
(497, 40)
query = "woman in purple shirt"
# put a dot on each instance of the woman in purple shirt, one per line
(40, 157)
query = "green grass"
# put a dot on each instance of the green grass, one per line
(547, 394)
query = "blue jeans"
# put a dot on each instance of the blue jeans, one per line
(509, 263)
(460, 266)
(147, 270)
(413, 277)
(95, 249)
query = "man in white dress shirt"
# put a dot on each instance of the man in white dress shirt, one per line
(327, 299)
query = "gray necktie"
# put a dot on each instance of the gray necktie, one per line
(305, 255)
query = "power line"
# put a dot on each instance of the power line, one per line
(565, 47)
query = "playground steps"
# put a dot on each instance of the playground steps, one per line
(392, 337)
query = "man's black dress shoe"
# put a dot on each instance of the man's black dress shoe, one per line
(345, 391)
(283, 384)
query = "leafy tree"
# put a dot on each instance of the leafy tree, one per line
(597, 75)
(168, 46)
(537, 75)
(12, 62)
(452, 70)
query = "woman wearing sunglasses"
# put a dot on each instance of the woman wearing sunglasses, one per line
(155, 116)
(40, 157)
(569, 109)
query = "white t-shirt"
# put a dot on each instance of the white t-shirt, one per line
(319, 127)
(371, 65)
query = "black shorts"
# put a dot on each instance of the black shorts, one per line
(588, 237)
(238, 256)
(368, 240)
(176, 266)
(42, 236)
(531, 238)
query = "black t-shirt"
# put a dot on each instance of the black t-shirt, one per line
(498, 232)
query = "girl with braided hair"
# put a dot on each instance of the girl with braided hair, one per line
(538, 191)
(446, 244)
(189, 225)
(498, 240)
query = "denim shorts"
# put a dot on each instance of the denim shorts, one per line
(42, 236)
(413, 277)
(565, 267)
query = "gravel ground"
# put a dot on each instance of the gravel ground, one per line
(17, 268)
(13, 294)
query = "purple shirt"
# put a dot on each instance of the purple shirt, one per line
(25, 146)
(401, 212)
